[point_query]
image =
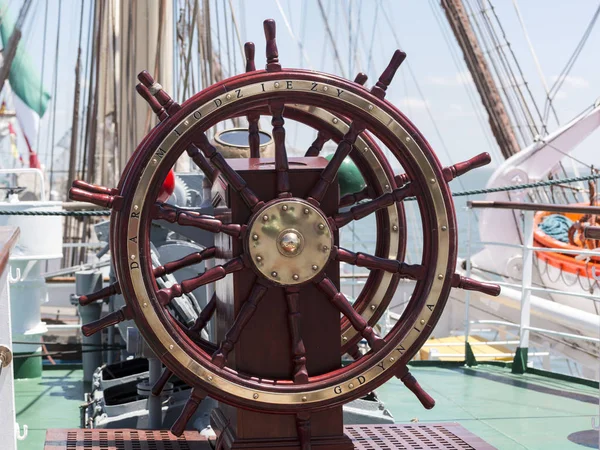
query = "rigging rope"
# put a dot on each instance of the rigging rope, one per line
(516, 187)
(468, 86)
(331, 38)
(571, 61)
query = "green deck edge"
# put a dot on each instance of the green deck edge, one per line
(488, 400)
(27, 365)
(520, 361)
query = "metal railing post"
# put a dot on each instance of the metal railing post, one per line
(8, 427)
(469, 355)
(520, 361)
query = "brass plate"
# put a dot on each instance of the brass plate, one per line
(379, 366)
(289, 241)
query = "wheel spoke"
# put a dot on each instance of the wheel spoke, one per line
(272, 52)
(340, 301)
(186, 261)
(112, 289)
(298, 350)
(388, 74)
(205, 315)
(162, 382)
(233, 334)
(413, 385)
(115, 288)
(173, 214)
(253, 134)
(249, 51)
(351, 199)
(165, 100)
(459, 169)
(371, 262)
(469, 284)
(154, 105)
(330, 171)
(281, 162)
(196, 155)
(109, 320)
(317, 145)
(165, 295)
(188, 411)
(253, 116)
(304, 430)
(364, 209)
(231, 176)
(361, 78)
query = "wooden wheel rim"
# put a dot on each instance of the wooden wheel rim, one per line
(178, 352)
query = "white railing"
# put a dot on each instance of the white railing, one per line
(526, 287)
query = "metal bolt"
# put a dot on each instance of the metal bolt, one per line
(407, 138)
(295, 276)
(132, 256)
(274, 274)
(325, 248)
(351, 386)
(136, 207)
(432, 181)
(387, 186)
(366, 149)
(154, 161)
(440, 277)
(392, 359)
(265, 218)
(259, 258)
(284, 207)
(315, 267)
(370, 107)
(373, 307)
(321, 226)
(422, 321)
(209, 378)
(171, 347)
(255, 396)
(444, 227)
(335, 120)
(276, 84)
(304, 398)
(325, 88)
(306, 211)
(395, 227)
(344, 339)
(145, 305)
(228, 96)
(255, 237)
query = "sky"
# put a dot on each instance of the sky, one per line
(432, 87)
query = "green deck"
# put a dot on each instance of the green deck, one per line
(508, 411)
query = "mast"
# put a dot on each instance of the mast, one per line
(477, 65)
(133, 36)
(11, 49)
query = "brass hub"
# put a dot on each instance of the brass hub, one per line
(289, 241)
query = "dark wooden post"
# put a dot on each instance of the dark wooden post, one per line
(267, 345)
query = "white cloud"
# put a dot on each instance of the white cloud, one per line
(456, 110)
(413, 103)
(574, 81)
(458, 79)
(560, 95)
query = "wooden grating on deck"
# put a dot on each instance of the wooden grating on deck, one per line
(442, 436)
(123, 439)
